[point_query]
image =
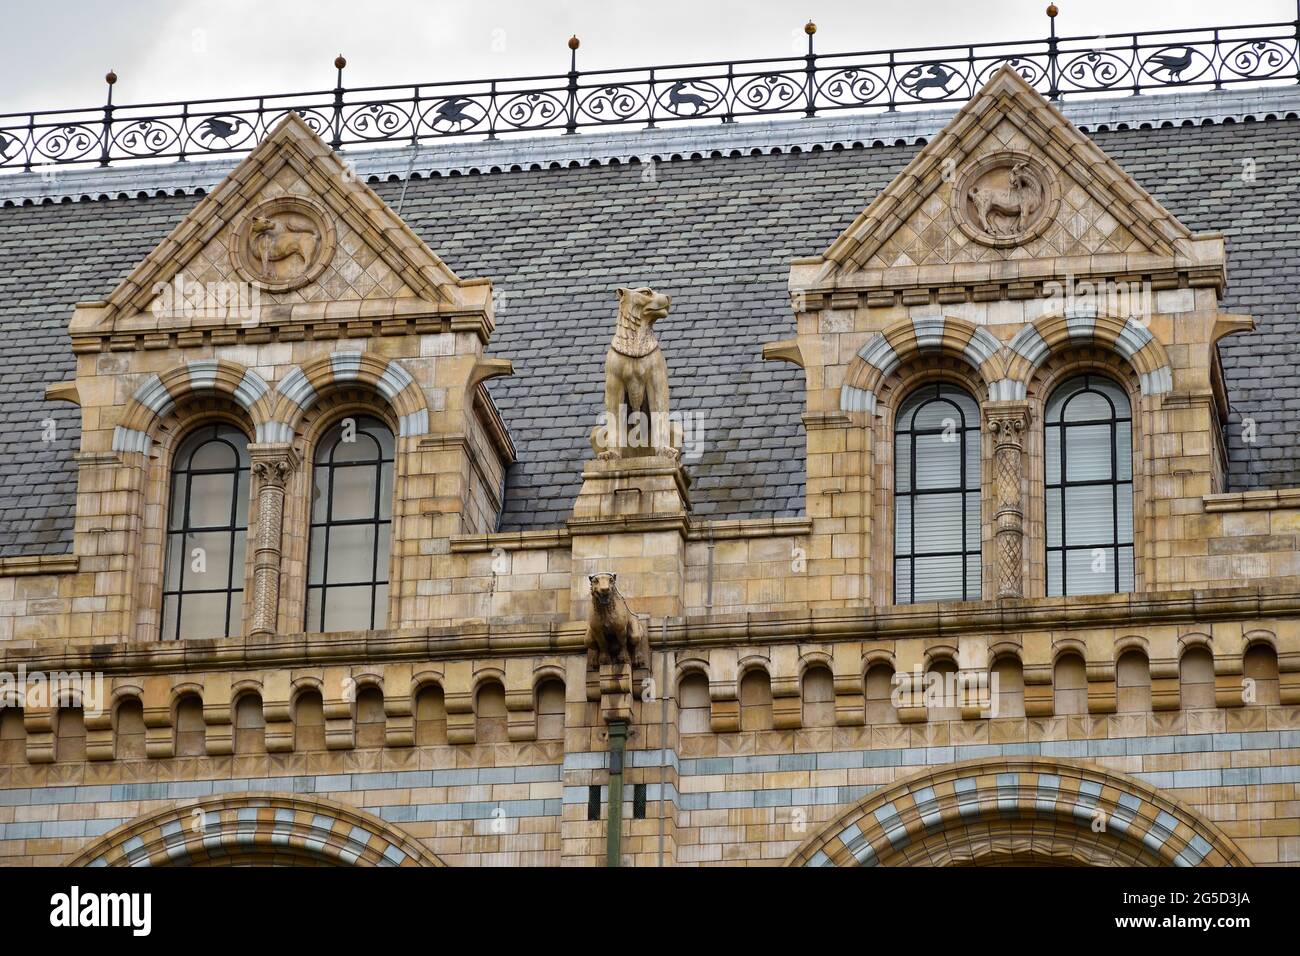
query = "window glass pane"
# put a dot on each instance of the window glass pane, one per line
(354, 493)
(938, 460)
(1090, 571)
(1090, 517)
(348, 609)
(973, 577)
(940, 414)
(1053, 517)
(972, 541)
(1052, 455)
(381, 606)
(176, 513)
(320, 494)
(1126, 569)
(169, 616)
(351, 554)
(1124, 450)
(1087, 450)
(938, 579)
(1054, 559)
(1088, 407)
(1117, 395)
(903, 526)
(211, 497)
(313, 609)
(938, 523)
(213, 454)
(241, 499)
(972, 443)
(1125, 503)
(207, 560)
(361, 448)
(382, 553)
(1056, 404)
(386, 491)
(203, 616)
(903, 464)
(175, 562)
(903, 580)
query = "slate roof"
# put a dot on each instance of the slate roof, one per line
(715, 233)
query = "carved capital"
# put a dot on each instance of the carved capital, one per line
(272, 464)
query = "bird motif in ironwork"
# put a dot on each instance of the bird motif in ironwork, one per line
(453, 111)
(1171, 63)
(218, 128)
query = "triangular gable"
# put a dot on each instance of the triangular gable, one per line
(1086, 205)
(294, 221)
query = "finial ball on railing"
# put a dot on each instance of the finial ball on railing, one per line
(574, 42)
(810, 28)
(340, 62)
(1052, 11)
(110, 77)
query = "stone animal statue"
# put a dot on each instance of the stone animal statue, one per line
(1019, 201)
(636, 378)
(274, 241)
(614, 633)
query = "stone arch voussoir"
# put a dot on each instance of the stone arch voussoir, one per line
(257, 827)
(1006, 810)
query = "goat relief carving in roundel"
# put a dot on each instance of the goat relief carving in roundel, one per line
(283, 243)
(1005, 199)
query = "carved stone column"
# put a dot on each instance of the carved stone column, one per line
(272, 466)
(1008, 422)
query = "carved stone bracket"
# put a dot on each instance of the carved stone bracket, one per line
(272, 464)
(1008, 421)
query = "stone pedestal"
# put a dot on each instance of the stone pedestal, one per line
(630, 519)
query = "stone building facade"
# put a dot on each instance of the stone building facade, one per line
(914, 638)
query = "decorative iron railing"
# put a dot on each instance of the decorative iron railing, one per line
(808, 85)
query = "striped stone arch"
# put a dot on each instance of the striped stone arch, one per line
(885, 350)
(256, 828)
(1030, 810)
(302, 386)
(1128, 338)
(158, 394)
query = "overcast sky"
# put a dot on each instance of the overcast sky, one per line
(58, 50)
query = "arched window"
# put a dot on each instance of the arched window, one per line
(1088, 462)
(351, 517)
(937, 496)
(207, 526)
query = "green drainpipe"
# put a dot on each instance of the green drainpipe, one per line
(614, 829)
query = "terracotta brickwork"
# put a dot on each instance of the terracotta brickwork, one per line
(781, 716)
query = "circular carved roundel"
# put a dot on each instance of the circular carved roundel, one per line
(1005, 199)
(283, 243)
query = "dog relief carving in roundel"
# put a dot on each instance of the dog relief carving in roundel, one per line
(283, 243)
(1005, 199)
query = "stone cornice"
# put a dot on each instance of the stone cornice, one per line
(21, 565)
(698, 632)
